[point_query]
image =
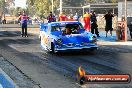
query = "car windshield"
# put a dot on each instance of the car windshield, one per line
(74, 28)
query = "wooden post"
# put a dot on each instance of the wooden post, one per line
(125, 20)
(60, 6)
(52, 6)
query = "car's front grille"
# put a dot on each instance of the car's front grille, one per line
(70, 44)
(84, 44)
(87, 44)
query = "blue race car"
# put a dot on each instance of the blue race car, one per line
(64, 36)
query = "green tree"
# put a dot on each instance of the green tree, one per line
(18, 11)
(31, 7)
(114, 1)
(42, 7)
(73, 3)
(5, 6)
(2, 7)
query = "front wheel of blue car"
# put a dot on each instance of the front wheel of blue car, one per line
(52, 48)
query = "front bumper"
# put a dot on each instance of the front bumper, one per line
(94, 46)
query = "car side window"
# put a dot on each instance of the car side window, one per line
(81, 26)
(74, 28)
(55, 28)
(46, 28)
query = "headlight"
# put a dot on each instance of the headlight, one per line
(59, 42)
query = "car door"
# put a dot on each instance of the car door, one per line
(44, 38)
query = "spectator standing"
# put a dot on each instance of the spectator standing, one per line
(24, 18)
(51, 18)
(108, 27)
(4, 21)
(86, 19)
(94, 26)
(71, 18)
(62, 17)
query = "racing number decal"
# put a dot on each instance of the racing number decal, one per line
(45, 39)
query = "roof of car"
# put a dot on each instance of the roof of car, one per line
(64, 22)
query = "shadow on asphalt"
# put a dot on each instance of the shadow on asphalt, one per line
(9, 33)
(103, 50)
(12, 34)
(24, 41)
(74, 53)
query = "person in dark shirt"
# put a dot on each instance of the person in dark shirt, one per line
(94, 26)
(108, 17)
(4, 20)
(51, 18)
